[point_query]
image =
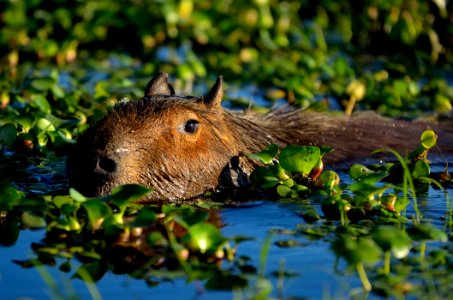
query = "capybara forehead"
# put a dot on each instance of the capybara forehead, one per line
(156, 106)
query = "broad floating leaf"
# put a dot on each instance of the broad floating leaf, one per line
(295, 158)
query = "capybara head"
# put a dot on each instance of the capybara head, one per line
(176, 145)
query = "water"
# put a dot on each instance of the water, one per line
(312, 262)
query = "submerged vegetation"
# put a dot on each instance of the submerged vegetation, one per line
(63, 65)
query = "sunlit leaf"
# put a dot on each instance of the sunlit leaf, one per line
(96, 209)
(428, 139)
(301, 159)
(361, 173)
(205, 237)
(76, 195)
(267, 155)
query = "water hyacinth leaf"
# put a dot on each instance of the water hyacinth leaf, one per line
(205, 237)
(191, 217)
(392, 239)
(428, 139)
(30, 220)
(25, 122)
(77, 196)
(421, 169)
(427, 232)
(44, 125)
(8, 134)
(126, 194)
(96, 209)
(418, 153)
(363, 174)
(355, 251)
(267, 155)
(295, 158)
(145, 217)
(279, 172)
(325, 150)
(40, 102)
(263, 177)
(285, 192)
(328, 179)
(43, 83)
(9, 196)
(156, 238)
(59, 201)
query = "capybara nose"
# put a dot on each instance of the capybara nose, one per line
(106, 166)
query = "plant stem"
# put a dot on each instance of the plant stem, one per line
(363, 278)
(387, 257)
(264, 254)
(422, 249)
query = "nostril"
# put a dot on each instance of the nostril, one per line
(106, 166)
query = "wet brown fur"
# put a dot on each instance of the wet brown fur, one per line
(146, 141)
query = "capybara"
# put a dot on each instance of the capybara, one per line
(184, 146)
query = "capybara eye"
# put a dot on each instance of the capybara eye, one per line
(191, 126)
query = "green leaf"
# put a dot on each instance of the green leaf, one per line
(421, 169)
(124, 195)
(295, 158)
(44, 125)
(267, 155)
(205, 237)
(188, 218)
(361, 173)
(145, 217)
(40, 102)
(9, 196)
(8, 134)
(77, 196)
(427, 232)
(264, 177)
(392, 239)
(43, 83)
(96, 209)
(30, 220)
(59, 201)
(354, 251)
(428, 139)
(284, 191)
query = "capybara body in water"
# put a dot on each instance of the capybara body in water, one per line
(185, 146)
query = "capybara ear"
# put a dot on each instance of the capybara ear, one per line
(215, 95)
(159, 85)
